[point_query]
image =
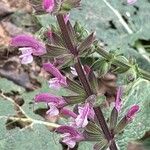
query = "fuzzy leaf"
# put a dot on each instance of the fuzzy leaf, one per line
(86, 43)
(55, 51)
(71, 33)
(75, 87)
(37, 138)
(93, 128)
(56, 40)
(138, 93)
(74, 99)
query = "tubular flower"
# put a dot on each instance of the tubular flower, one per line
(58, 80)
(131, 1)
(70, 135)
(66, 17)
(84, 113)
(132, 112)
(29, 46)
(118, 102)
(54, 102)
(26, 56)
(68, 113)
(48, 5)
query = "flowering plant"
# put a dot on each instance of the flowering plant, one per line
(89, 84)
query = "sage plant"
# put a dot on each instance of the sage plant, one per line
(65, 47)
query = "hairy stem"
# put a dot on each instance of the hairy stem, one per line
(85, 81)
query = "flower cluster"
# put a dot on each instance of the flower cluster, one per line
(57, 106)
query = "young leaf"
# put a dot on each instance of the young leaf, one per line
(72, 33)
(74, 99)
(57, 40)
(75, 87)
(55, 51)
(101, 145)
(93, 128)
(86, 43)
(113, 118)
(93, 81)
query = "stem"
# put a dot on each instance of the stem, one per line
(85, 82)
(83, 78)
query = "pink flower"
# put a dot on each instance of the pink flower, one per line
(84, 113)
(54, 102)
(70, 135)
(131, 1)
(49, 34)
(59, 79)
(29, 46)
(132, 112)
(48, 5)
(66, 17)
(68, 113)
(53, 109)
(26, 56)
(118, 102)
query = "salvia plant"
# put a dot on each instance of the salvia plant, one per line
(64, 49)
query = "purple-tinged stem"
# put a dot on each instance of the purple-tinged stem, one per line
(85, 81)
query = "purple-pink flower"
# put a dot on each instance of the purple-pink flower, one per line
(68, 113)
(58, 80)
(118, 102)
(70, 135)
(54, 102)
(29, 46)
(132, 112)
(131, 1)
(26, 56)
(48, 5)
(85, 112)
(66, 17)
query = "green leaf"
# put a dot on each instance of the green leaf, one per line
(86, 43)
(93, 128)
(57, 40)
(137, 94)
(102, 66)
(75, 87)
(72, 33)
(74, 99)
(39, 137)
(55, 51)
(8, 86)
(96, 15)
(85, 146)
